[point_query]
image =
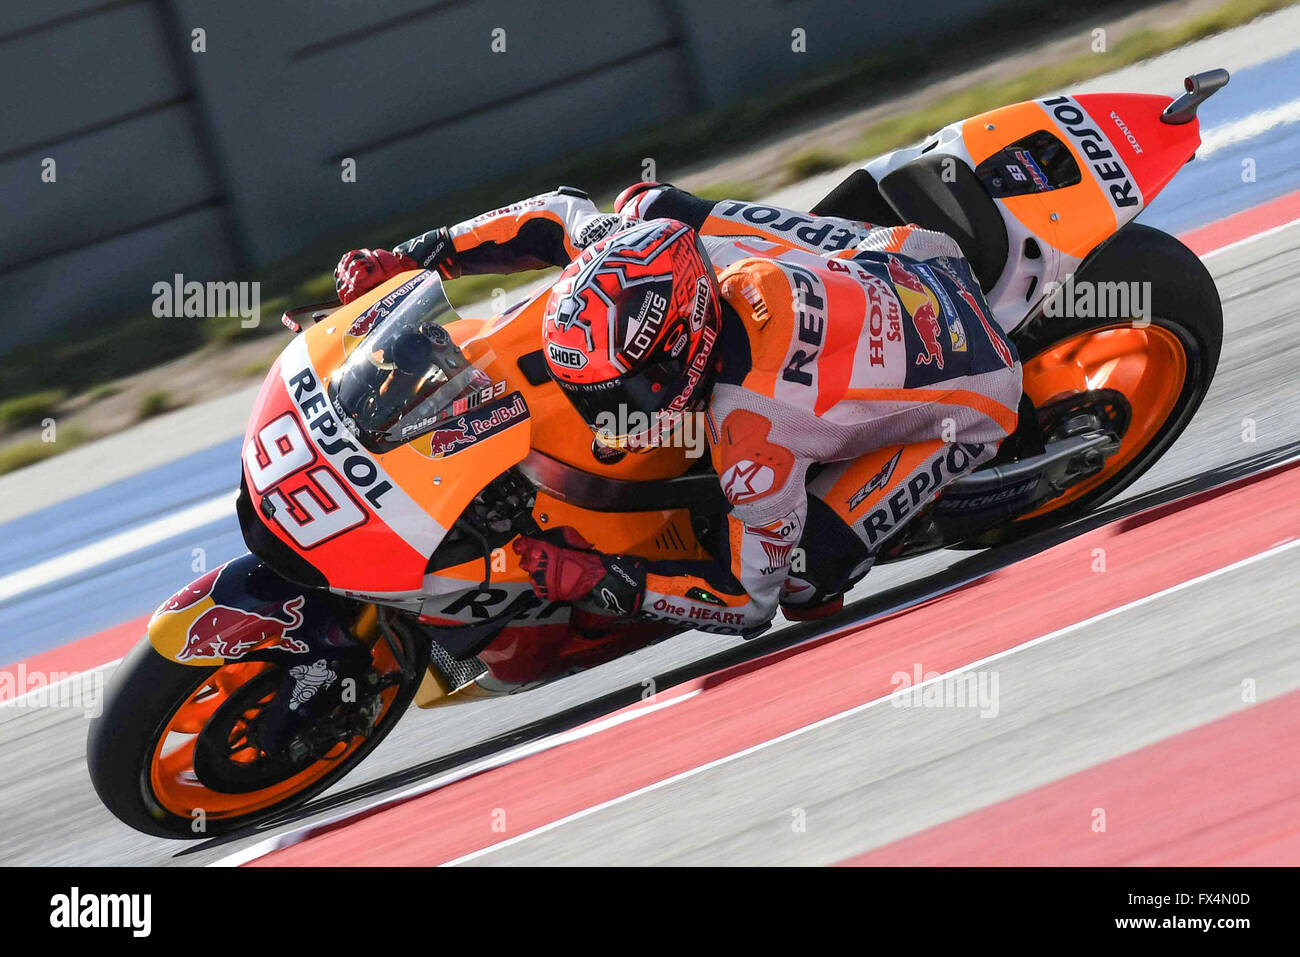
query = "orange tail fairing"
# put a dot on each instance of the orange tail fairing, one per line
(1127, 153)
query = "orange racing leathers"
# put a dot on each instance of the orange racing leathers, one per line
(859, 366)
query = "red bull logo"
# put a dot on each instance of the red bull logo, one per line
(446, 441)
(364, 322)
(192, 593)
(922, 306)
(995, 336)
(225, 632)
(362, 325)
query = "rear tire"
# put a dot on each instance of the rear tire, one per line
(1184, 302)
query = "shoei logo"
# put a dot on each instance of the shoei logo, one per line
(564, 357)
(700, 305)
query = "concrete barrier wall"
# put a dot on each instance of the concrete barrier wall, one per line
(211, 163)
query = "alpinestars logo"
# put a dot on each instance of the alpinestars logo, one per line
(746, 481)
(611, 602)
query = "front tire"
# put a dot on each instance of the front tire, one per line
(152, 699)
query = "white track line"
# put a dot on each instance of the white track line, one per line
(857, 709)
(115, 546)
(289, 838)
(1255, 237)
(1248, 127)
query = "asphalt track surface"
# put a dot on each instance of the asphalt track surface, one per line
(52, 816)
(1143, 677)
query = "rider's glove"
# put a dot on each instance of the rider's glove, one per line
(433, 250)
(361, 270)
(564, 567)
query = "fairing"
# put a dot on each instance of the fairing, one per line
(369, 520)
(1124, 154)
(244, 608)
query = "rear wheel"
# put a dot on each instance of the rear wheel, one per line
(175, 751)
(1160, 371)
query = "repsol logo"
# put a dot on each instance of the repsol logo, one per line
(1109, 170)
(357, 467)
(812, 232)
(809, 301)
(903, 501)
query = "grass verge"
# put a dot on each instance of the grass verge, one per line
(902, 130)
(29, 409)
(31, 451)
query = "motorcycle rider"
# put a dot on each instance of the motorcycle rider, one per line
(846, 374)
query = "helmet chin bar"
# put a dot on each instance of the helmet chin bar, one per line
(658, 431)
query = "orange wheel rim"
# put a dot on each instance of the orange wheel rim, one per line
(172, 779)
(1148, 365)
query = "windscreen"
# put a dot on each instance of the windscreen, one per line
(402, 379)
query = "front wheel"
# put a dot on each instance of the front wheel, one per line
(161, 720)
(1160, 371)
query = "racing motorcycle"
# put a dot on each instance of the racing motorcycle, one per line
(396, 449)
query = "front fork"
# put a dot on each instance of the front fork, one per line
(243, 611)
